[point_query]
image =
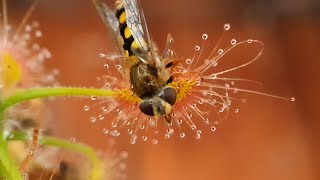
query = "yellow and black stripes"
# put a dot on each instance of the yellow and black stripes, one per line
(128, 40)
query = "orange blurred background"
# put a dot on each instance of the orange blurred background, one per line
(269, 139)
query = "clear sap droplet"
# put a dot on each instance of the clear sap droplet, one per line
(113, 124)
(188, 61)
(93, 119)
(226, 27)
(102, 55)
(118, 67)
(93, 98)
(38, 34)
(233, 41)
(182, 135)
(198, 136)
(213, 128)
(101, 117)
(106, 66)
(104, 109)
(204, 36)
(220, 51)
(27, 28)
(236, 110)
(124, 155)
(144, 138)
(193, 127)
(86, 108)
(105, 131)
(249, 40)
(132, 141)
(155, 141)
(73, 139)
(292, 99)
(206, 121)
(197, 48)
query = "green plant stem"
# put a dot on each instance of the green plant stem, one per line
(96, 165)
(29, 94)
(7, 168)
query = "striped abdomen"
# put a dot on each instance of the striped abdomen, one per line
(128, 41)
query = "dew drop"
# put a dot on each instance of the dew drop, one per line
(102, 55)
(213, 128)
(104, 109)
(27, 28)
(182, 135)
(144, 138)
(124, 155)
(113, 124)
(93, 119)
(106, 66)
(155, 141)
(188, 61)
(93, 98)
(215, 64)
(132, 141)
(198, 134)
(200, 101)
(292, 99)
(130, 131)
(226, 27)
(118, 67)
(193, 127)
(38, 34)
(233, 41)
(220, 51)
(142, 126)
(105, 131)
(86, 108)
(197, 48)
(101, 117)
(236, 110)
(204, 36)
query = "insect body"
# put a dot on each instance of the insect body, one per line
(149, 74)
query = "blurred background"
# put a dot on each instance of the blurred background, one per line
(269, 139)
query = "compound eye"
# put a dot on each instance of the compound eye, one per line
(146, 108)
(169, 95)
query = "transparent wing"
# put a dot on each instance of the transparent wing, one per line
(134, 23)
(110, 20)
(137, 24)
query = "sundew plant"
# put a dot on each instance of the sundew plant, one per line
(199, 93)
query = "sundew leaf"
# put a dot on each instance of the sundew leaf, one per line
(11, 72)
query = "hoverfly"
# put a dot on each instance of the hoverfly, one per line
(189, 93)
(148, 72)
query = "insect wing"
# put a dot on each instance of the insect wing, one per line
(110, 20)
(134, 23)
